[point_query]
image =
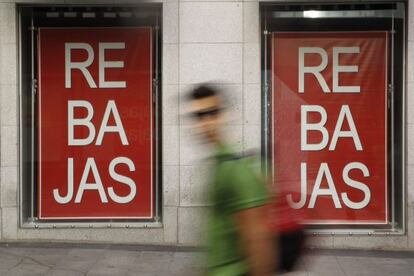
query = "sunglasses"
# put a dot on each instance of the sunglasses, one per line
(206, 113)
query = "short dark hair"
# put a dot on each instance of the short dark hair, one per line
(202, 91)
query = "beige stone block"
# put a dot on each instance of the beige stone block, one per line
(54, 235)
(8, 29)
(410, 61)
(251, 18)
(192, 225)
(141, 1)
(211, 62)
(170, 22)
(233, 96)
(233, 135)
(410, 225)
(9, 182)
(410, 18)
(89, 1)
(371, 242)
(128, 236)
(9, 140)
(171, 145)
(34, 1)
(194, 181)
(115, 235)
(170, 221)
(251, 63)
(319, 241)
(170, 105)
(210, 1)
(251, 138)
(8, 61)
(252, 95)
(171, 185)
(185, 105)
(8, 105)
(410, 185)
(410, 144)
(211, 22)
(170, 64)
(147, 1)
(410, 102)
(9, 229)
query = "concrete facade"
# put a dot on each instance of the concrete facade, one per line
(195, 35)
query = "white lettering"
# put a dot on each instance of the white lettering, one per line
(84, 122)
(315, 70)
(343, 68)
(65, 199)
(97, 185)
(111, 108)
(305, 127)
(303, 189)
(109, 64)
(317, 191)
(82, 66)
(352, 132)
(356, 184)
(123, 179)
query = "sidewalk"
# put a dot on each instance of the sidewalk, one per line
(91, 259)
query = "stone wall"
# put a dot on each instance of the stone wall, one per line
(202, 41)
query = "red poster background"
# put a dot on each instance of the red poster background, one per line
(134, 105)
(368, 110)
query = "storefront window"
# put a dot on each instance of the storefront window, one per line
(334, 112)
(89, 115)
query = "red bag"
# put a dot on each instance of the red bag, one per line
(289, 231)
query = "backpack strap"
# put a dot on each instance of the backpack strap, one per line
(237, 156)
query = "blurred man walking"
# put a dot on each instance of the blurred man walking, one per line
(239, 241)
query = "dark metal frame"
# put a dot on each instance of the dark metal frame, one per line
(30, 17)
(389, 16)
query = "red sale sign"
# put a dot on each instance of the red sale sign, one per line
(95, 123)
(330, 124)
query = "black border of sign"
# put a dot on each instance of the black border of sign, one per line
(142, 15)
(269, 23)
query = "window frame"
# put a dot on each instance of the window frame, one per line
(290, 17)
(30, 17)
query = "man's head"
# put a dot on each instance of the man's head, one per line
(206, 108)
